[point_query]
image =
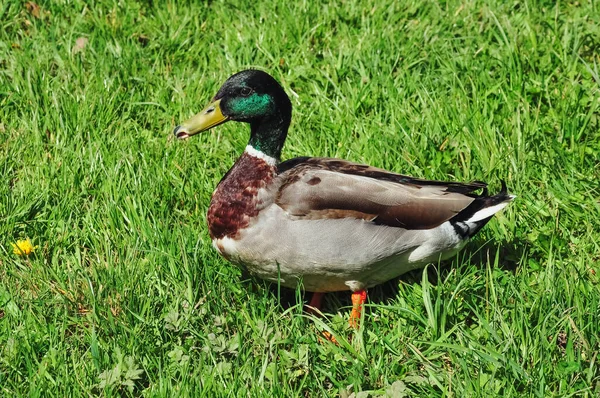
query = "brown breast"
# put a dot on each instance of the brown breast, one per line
(235, 200)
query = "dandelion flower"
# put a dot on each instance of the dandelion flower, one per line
(23, 247)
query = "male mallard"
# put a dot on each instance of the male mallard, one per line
(328, 224)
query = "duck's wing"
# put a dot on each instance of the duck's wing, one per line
(321, 188)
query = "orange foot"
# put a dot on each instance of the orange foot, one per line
(329, 337)
(358, 299)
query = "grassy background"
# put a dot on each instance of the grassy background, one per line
(125, 295)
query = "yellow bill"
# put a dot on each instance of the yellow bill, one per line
(209, 117)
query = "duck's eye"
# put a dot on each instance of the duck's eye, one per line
(246, 91)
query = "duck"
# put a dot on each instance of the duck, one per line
(326, 224)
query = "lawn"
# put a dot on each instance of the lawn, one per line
(124, 294)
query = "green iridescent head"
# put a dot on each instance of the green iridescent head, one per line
(250, 96)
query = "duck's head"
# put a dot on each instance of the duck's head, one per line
(250, 96)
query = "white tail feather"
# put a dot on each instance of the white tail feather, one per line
(489, 211)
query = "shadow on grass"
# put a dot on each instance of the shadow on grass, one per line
(476, 253)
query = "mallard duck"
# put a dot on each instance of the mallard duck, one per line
(328, 224)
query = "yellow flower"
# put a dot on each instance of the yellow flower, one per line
(23, 247)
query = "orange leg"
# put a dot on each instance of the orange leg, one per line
(315, 301)
(314, 307)
(358, 299)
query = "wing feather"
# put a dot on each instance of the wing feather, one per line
(320, 188)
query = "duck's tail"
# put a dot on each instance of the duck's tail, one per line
(470, 220)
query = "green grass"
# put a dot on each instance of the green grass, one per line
(125, 294)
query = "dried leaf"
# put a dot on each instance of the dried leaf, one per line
(33, 9)
(143, 40)
(397, 390)
(80, 44)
